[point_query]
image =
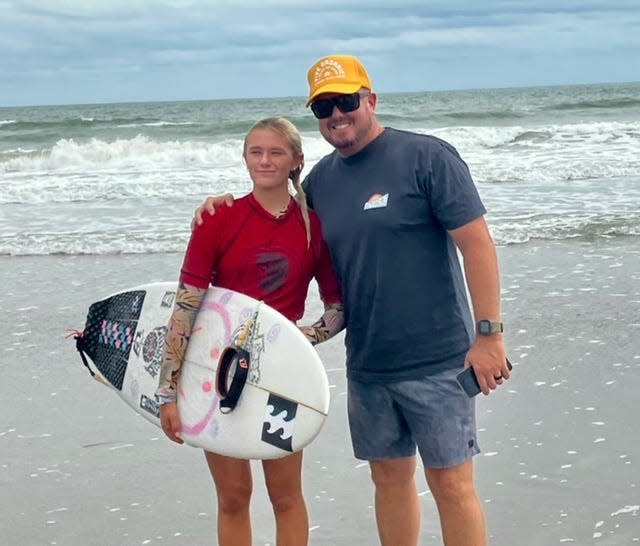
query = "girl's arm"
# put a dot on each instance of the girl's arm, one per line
(328, 325)
(188, 301)
(332, 320)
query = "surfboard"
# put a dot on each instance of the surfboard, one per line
(252, 386)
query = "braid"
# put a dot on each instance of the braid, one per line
(302, 201)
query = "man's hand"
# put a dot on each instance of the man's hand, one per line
(487, 356)
(170, 421)
(209, 206)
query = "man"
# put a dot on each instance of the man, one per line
(395, 207)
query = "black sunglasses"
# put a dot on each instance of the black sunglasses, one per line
(323, 108)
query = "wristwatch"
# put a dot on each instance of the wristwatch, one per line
(486, 327)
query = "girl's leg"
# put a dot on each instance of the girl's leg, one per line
(232, 478)
(284, 484)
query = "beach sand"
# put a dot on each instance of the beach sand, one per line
(560, 439)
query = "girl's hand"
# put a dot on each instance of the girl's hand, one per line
(170, 421)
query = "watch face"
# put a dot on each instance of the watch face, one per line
(486, 327)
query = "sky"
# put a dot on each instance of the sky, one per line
(103, 51)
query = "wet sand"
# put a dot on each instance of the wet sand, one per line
(560, 454)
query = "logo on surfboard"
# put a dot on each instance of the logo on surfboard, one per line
(277, 428)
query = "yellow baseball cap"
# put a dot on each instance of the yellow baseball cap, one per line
(342, 74)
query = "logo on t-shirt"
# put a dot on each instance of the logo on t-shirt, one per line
(376, 201)
(271, 271)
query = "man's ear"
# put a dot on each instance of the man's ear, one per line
(372, 98)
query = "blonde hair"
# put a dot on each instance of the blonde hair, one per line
(291, 135)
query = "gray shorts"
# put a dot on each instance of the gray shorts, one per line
(389, 420)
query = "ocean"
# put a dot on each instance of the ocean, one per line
(95, 199)
(550, 163)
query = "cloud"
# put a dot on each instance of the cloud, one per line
(155, 49)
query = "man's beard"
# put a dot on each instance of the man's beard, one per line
(344, 145)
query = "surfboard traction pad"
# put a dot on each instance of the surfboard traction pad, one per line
(109, 333)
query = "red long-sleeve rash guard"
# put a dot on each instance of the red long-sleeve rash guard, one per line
(246, 249)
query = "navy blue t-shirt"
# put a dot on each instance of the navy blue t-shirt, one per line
(385, 212)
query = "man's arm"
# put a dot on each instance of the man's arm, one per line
(487, 354)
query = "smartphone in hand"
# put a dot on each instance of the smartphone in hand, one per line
(469, 382)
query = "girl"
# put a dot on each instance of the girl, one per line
(268, 246)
